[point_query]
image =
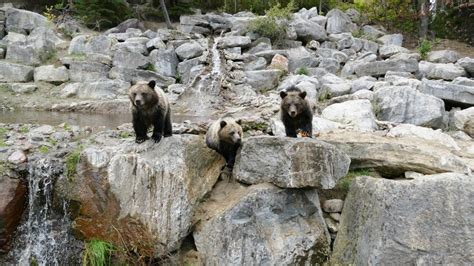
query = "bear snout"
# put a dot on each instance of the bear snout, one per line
(138, 102)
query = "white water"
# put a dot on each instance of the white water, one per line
(44, 238)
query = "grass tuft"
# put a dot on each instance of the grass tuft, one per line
(71, 162)
(97, 253)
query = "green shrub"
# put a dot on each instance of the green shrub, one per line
(97, 253)
(424, 48)
(274, 24)
(302, 71)
(102, 14)
(71, 162)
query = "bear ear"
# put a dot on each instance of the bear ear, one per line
(152, 84)
(303, 94)
(283, 94)
(238, 121)
(223, 124)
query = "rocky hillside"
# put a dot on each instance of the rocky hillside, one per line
(387, 176)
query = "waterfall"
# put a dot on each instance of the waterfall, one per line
(44, 238)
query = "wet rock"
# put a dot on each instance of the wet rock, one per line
(464, 120)
(234, 41)
(468, 64)
(449, 91)
(263, 80)
(333, 205)
(263, 225)
(338, 22)
(407, 220)
(17, 157)
(11, 72)
(407, 105)
(379, 68)
(290, 163)
(443, 56)
(357, 113)
(50, 73)
(391, 39)
(138, 198)
(165, 61)
(189, 50)
(394, 156)
(428, 134)
(12, 204)
(23, 21)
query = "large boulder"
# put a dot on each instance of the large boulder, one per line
(441, 71)
(233, 41)
(402, 104)
(290, 162)
(379, 68)
(189, 50)
(101, 89)
(449, 91)
(357, 113)
(339, 22)
(80, 71)
(428, 134)
(262, 225)
(127, 194)
(464, 120)
(263, 80)
(443, 56)
(13, 194)
(300, 57)
(391, 39)
(11, 72)
(308, 30)
(39, 46)
(50, 73)
(394, 156)
(468, 64)
(425, 221)
(23, 21)
(132, 60)
(134, 75)
(165, 61)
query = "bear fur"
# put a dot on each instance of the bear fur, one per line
(296, 113)
(225, 137)
(150, 107)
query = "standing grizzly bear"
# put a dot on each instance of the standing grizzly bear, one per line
(296, 113)
(150, 107)
(225, 137)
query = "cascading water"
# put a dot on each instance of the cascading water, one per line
(44, 238)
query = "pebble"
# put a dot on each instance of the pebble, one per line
(333, 205)
(17, 157)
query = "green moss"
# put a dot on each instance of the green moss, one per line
(43, 149)
(345, 182)
(302, 71)
(24, 129)
(71, 162)
(3, 131)
(178, 78)
(125, 134)
(424, 48)
(150, 67)
(97, 253)
(67, 127)
(2, 143)
(324, 95)
(53, 142)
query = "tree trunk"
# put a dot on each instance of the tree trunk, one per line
(424, 18)
(165, 14)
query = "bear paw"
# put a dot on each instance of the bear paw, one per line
(156, 137)
(140, 139)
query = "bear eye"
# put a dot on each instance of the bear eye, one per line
(134, 94)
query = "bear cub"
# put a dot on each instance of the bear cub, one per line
(150, 107)
(225, 137)
(296, 113)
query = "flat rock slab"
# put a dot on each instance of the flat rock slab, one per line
(425, 221)
(394, 156)
(290, 162)
(262, 225)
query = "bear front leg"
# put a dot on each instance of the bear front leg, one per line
(158, 127)
(307, 130)
(168, 125)
(290, 131)
(140, 128)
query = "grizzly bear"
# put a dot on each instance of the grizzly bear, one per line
(296, 113)
(225, 137)
(150, 107)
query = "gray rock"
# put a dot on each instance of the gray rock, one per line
(363, 83)
(372, 32)
(338, 22)
(456, 93)
(357, 113)
(464, 120)
(189, 50)
(443, 56)
(23, 21)
(428, 134)
(102, 89)
(50, 73)
(260, 45)
(13, 37)
(263, 225)
(184, 68)
(233, 41)
(407, 105)
(23, 87)
(132, 60)
(290, 162)
(300, 57)
(17, 157)
(263, 80)
(11, 72)
(468, 64)
(370, 46)
(379, 68)
(330, 64)
(308, 30)
(335, 216)
(387, 51)
(321, 20)
(258, 63)
(135, 75)
(133, 47)
(132, 23)
(391, 39)
(354, 14)
(86, 71)
(165, 61)
(333, 205)
(463, 81)
(392, 157)
(441, 71)
(391, 211)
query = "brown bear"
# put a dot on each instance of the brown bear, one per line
(225, 137)
(150, 107)
(296, 113)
